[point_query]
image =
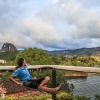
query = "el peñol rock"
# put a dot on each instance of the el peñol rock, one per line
(8, 47)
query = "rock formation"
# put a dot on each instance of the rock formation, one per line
(8, 47)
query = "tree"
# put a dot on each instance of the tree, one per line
(35, 56)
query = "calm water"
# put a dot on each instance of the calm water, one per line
(89, 86)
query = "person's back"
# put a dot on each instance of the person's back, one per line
(22, 73)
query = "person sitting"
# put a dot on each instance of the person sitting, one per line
(26, 79)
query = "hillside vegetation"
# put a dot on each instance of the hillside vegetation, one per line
(77, 52)
(35, 56)
(8, 55)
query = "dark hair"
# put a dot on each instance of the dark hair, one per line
(19, 63)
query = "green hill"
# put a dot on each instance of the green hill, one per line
(11, 55)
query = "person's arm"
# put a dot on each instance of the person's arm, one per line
(13, 79)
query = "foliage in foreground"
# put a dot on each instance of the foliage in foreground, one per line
(66, 96)
(97, 97)
(60, 96)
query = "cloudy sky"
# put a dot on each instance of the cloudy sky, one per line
(50, 24)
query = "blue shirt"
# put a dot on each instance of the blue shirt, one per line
(23, 74)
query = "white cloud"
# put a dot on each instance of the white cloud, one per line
(61, 24)
(41, 32)
(82, 22)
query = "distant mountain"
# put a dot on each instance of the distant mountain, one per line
(76, 52)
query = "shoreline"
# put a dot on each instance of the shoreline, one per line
(76, 75)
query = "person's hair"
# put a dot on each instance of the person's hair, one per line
(19, 63)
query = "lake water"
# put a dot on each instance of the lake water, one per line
(88, 87)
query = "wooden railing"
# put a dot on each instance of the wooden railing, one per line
(69, 68)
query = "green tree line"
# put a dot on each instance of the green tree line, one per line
(35, 56)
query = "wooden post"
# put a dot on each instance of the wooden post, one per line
(54, 82)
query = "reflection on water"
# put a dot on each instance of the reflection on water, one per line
(89, 86)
